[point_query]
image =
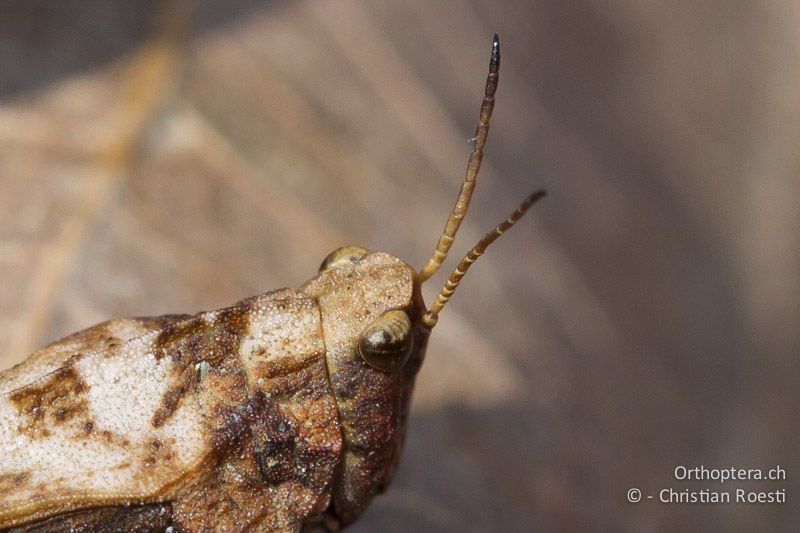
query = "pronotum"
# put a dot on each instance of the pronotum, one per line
(285, 411)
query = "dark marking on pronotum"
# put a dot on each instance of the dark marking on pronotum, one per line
(12, 481)
(176, 339)
(108, 437)
(285, 367)
(274, 438)
(193, 342)
(58, 398)
(170, 401)
(136, 519)
(159, 452)
(235, 422)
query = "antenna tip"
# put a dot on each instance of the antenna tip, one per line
(494, 62)
(533, 198)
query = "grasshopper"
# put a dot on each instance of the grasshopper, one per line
(285, 411)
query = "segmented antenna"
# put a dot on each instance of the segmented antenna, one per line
(473, 167)
(432, 316)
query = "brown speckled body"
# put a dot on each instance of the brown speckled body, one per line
(261, 416)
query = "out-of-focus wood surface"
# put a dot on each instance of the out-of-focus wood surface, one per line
(171, 159)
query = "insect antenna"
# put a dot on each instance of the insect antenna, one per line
(473, 167)
(430, 317)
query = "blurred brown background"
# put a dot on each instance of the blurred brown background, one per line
(171, 157)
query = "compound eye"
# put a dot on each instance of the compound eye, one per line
(343, 256)
(386, 343)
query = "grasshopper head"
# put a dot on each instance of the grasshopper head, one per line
(372, 311)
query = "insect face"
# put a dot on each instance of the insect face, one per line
(371, 310)
(386, 343)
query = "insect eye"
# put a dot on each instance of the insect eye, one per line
(386, 343)
(342, 256)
